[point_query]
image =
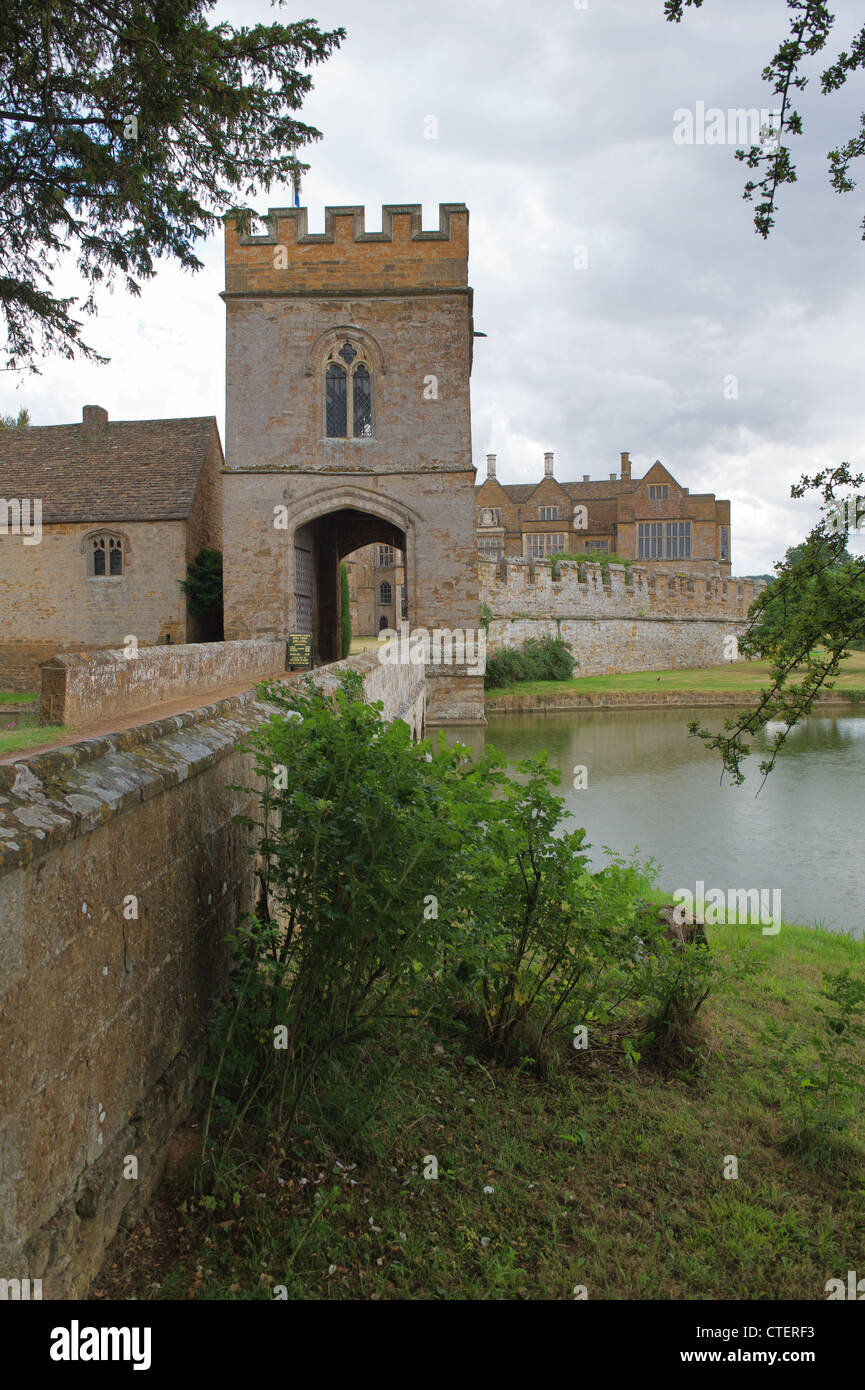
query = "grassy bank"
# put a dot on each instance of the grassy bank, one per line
(736, 676)
(605, 1176)
(16, 740)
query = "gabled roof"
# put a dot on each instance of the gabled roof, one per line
(547, 483)
(660, 470)
(578, 492)
(123, 470)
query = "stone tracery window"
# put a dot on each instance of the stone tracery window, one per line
(348, 394)
(106, 556)
(385, 593)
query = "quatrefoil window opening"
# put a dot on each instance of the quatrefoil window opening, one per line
(348, 394)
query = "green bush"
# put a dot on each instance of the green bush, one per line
(820, 1080)
(344, 609)
(355, 823)
(402, 888)
(203, 589)
(540, 659)
(604, 558)
(545, 945)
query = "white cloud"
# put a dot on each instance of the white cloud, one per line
(555, 126)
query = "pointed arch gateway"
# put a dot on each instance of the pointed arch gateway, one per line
(321, 533)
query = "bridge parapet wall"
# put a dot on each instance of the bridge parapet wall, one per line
(121, 871)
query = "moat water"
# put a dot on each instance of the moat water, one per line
(655, 789)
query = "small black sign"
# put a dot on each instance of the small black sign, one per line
(299, 649)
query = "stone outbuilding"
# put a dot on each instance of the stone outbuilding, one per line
(98, 521)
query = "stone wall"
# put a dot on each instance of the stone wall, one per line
(636, 621)
(297, 500)
(121, 870)
(402, 689)
(87, 687)
(49, 603)
(567, 699)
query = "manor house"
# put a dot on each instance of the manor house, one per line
(653, 519)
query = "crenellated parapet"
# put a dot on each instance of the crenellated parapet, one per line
(516, 587)
(287, 258)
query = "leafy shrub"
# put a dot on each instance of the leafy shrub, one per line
(506, 667)
(676, 978)
(344, 610)
(604, 558)
(540, 659)
(203, 589)
(545, 944)
(821, 1085)
(403, 887)
(354, 826)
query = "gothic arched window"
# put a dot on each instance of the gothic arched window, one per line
(336, 401)
(348, 394)
(385, 593)
(106, 556)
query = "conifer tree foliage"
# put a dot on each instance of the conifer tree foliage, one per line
(127, 129)
(345, 609)
(203, 589)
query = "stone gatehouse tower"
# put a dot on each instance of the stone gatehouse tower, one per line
(348, 355)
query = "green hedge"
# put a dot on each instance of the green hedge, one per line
(540, 659)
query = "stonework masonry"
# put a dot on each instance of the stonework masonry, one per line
(89, 687)
(299, 498)
(102, 1007)
(636, 621)
(537, 519)
(153, 485)
(49, 604)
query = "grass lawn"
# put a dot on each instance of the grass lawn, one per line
(605, 1177)
(16, 740)
(741, 675)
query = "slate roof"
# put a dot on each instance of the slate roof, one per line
(109, 470)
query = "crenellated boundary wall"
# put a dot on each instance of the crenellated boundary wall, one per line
(629, 619)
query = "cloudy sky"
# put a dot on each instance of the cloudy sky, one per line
(555, 124)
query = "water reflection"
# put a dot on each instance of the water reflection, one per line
(654, 788)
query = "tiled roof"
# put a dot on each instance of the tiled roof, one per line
(521, 492)
(124, 470)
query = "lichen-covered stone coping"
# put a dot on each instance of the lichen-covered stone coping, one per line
(54, 797)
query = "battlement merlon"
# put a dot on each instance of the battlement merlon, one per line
(521, 587)
(345, 258)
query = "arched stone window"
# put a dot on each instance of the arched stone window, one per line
(106, 555)
(385, 593)
(348, 393)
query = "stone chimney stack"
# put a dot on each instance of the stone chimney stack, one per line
(586, 477)
(548, 465)
(93, 416)
(626, 466)
(491, 466)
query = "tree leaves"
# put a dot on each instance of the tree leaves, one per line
(127, 129)
(810, 27)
